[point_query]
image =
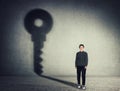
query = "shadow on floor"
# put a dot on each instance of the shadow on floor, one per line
(61, 81)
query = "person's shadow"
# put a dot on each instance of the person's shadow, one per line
(60, 81)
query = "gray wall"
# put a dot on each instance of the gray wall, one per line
(95, 24)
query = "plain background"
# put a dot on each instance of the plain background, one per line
(93, 23)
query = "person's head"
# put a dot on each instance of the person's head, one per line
(81, 47)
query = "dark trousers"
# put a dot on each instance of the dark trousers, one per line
(81, 69)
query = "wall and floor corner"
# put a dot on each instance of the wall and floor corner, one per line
(94, 23)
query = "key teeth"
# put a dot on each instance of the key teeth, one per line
(38, 68)
(37, 62)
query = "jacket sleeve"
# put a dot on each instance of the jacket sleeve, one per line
(76, 60)
(86, 59)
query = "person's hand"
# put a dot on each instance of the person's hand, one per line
(85, 67)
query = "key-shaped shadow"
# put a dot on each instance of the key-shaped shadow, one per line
(38, 31)
(61, 81)
(38, 36)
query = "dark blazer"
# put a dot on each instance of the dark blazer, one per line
(81, 59)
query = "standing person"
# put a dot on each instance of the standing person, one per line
(81, 63)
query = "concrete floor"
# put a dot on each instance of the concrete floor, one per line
(57, 83)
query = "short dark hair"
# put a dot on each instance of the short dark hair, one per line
(81, 45)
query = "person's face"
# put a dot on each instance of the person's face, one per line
(81, 48)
